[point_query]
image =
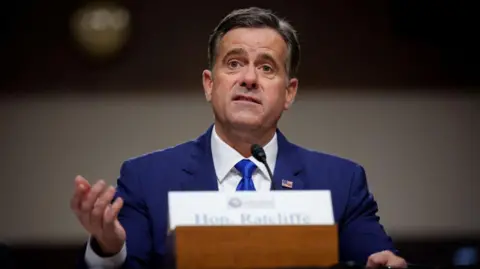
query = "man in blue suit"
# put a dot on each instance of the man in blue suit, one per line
(251, 80)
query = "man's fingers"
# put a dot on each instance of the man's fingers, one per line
(80, 189)
(79, 180)
(385, 258)
(87, 203)
(376, 260)
(96, 216)
(92, 195)
(111, 213)
(397, 262)
(373, 263)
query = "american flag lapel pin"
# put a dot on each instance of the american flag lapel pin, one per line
(287, 183)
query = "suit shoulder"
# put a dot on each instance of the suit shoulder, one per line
(339, 171)
(316, 157)
(173, 153)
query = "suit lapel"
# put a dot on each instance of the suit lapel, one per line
(201, 171)
(199, 167)
(288, 167)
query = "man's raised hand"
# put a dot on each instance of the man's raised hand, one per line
(98, 216)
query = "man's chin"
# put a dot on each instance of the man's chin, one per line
(246, 123)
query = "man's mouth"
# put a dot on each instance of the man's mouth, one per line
(246, 98)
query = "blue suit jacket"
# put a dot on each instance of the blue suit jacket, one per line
(145, 181)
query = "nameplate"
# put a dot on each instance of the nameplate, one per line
(213, 208)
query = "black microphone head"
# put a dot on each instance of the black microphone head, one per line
(258, 153)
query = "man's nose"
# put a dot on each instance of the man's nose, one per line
(250, 78)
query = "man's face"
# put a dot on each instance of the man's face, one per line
(249, 86)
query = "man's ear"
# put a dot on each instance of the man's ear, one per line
(290, 93)
(207, 80)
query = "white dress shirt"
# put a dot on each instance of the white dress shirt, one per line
(224, 160)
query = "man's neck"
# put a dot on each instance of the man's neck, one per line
(242, 140)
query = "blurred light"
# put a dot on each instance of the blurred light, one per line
(101, 28)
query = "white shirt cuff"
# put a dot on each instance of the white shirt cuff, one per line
(94, 261)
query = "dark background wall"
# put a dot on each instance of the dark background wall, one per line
(390, 84)
(369, 45)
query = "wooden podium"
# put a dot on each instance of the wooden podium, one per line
(242, 247)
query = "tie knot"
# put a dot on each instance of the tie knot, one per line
(246, 167)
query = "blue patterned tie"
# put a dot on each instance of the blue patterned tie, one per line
(246, 167)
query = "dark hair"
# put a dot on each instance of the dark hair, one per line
(255, 17)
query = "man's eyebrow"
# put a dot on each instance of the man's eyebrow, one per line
(268, 57)
(241, 51)
(235, 51)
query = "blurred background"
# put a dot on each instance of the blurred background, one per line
(392, 85)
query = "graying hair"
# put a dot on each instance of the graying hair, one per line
(255, 17)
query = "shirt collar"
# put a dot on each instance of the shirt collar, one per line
(225, 157)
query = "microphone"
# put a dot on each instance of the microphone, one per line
(259, 154)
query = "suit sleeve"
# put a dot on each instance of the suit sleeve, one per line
(134, 218)
(360, 233)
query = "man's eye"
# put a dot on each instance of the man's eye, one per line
(233, 64)
(267, 69)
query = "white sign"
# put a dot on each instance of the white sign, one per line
(295, 207)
